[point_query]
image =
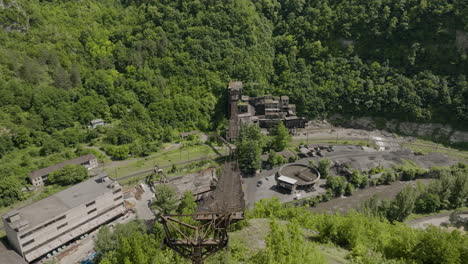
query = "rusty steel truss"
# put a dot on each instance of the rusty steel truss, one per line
(197, 242)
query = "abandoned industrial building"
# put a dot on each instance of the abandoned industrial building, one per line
(266, 111)
(41, 227)
(39, 177)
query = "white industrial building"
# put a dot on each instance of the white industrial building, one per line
(39, 228)
(40, 177)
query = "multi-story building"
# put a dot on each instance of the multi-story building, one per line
(39, 228)
(266, 111)
(39, 177)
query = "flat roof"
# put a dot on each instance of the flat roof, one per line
(287, 180)
(59, 203)
(58, 166)
(197, 183)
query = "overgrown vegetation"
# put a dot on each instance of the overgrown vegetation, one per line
(449, 190)
(69, 174)
(251, 144)
(294, 236)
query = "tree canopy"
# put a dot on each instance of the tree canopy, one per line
(69, 174)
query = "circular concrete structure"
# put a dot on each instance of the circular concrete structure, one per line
(304, 175)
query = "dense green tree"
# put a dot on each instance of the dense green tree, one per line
(387, 177)
(6, 145)
(117, 152)
(403, 204)
(337, 184)
(69, 174)
(249, 155)
(10, 190)
(349, 189)
(187, 205)
(280, 138)
(51, 146)
(324, 168)
(356, 178)
(166, 199)
(427, 203)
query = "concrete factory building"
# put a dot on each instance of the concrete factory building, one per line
(266, 111)
(296, 176)
(39, 228)
(39, 177)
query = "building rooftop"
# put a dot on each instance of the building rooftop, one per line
(59, 203)
(97, 121)
(58, 166)
(287, 180)
(195, 182)
(186, 134)
(235, 85)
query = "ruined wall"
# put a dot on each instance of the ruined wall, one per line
(428, 130)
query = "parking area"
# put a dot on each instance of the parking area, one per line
(263, 184)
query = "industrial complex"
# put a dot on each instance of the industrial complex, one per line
(266, 111)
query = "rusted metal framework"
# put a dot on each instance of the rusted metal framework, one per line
(200, 235)
(196, 242)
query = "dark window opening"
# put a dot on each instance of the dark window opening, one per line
(92, 211)
(73, 228)
(27, 243)
(61, 226)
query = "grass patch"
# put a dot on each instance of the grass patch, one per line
(426, 147)
(412, 217)
(165, 159)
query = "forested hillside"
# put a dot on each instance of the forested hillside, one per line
(154, 67)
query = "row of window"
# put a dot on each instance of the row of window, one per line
(73, 228)
(42, 226)
(27, 243)
(64, 216)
